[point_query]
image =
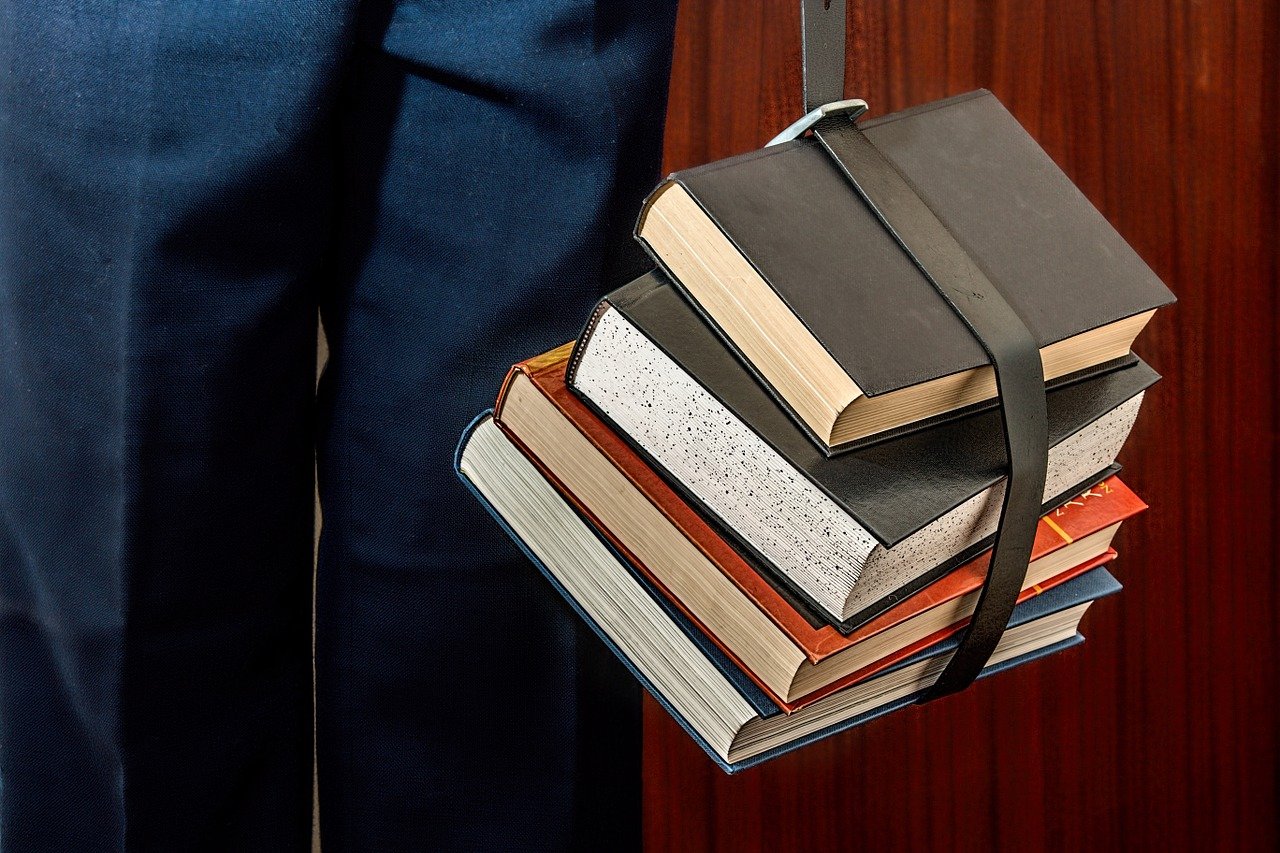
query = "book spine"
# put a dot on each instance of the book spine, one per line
(584, 339)
(530, 367)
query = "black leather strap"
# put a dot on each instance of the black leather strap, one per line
(1019, 376)
(1013, 351)
(822, 35)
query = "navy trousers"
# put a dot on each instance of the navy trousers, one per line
(183, 187)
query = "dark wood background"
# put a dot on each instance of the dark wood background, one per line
(1161, 731)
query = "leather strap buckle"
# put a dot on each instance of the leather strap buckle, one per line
(852, 108)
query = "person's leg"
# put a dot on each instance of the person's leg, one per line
(498, 155)
(165, 195)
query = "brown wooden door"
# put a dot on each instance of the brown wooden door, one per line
(1161, 731)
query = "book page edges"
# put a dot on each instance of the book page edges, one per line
(812, 382)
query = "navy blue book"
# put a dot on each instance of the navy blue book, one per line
(734, 722)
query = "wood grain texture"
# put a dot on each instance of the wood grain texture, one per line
(1161, 731)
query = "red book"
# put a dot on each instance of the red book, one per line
(791, 657)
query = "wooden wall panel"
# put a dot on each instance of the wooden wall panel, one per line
(1161, 731)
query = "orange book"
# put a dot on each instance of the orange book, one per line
(791, 655)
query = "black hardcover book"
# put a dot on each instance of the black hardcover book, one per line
(851, 533)
(799, 276)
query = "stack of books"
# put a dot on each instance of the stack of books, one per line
(770, 472)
